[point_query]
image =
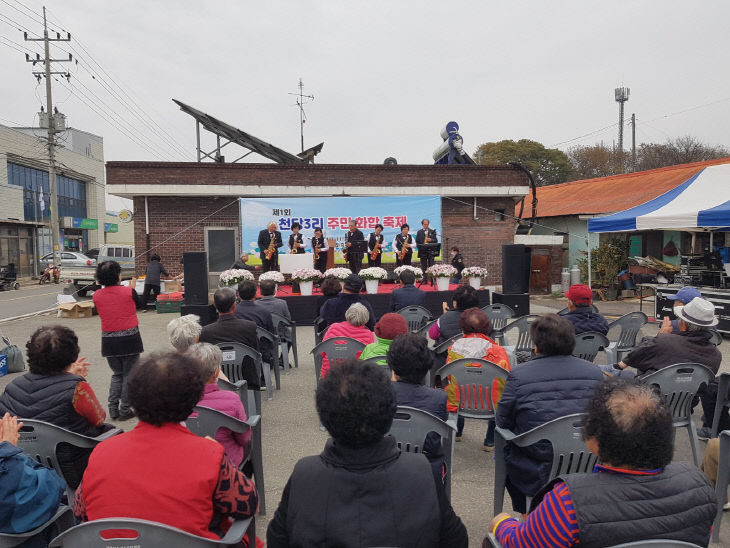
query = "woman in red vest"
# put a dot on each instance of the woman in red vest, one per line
(160, 471)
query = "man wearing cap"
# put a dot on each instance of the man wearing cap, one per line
(691, 345)
(681, 298)
(581, 314)
(333, 310)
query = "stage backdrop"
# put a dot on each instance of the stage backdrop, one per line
(333, 216)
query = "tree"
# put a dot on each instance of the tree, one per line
(596, 161)
(548, 165)
(681, 150)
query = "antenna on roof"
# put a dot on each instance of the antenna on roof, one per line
(302, 100)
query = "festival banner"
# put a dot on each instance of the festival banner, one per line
(333, 216)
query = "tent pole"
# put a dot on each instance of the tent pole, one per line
(588, 243)
(712, 234)
(694, 242)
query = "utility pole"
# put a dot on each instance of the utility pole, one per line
(633, 142)
(55, 229)
(302, 100)
(622, 95)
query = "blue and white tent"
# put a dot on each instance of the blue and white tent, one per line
(702, 202)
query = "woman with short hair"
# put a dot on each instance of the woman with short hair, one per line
(354, 327)
(184, 331)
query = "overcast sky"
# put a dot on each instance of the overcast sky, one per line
(386, 75)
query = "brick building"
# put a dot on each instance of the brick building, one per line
(176, 205)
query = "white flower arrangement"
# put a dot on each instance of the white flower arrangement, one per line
(338, 272)
(273, 275)
(306, 275)
(474, 272)
(373, 273)
(417, 271)
(234, 276)
(441, 271)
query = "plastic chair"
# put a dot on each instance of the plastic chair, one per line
(423, 331)
(715, 337)
(498, 314)
(320, 328)
(475, 381)
(410, 428)
(292, 325)
(39, 440)
(565, 310)
(338, 350)
(523, 342)
(209, 421)
(379, 361)
(62, 520)
(232, 364)
(589, 344)
(723, 479)
(416, 316)
(149, 534)
(570, 454)
(678, 385)
(629, 327)
(723, 400)
(274, 343)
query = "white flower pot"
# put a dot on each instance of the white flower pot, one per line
(372, 286)
(305, 288)
(442, 284)
(475, 282)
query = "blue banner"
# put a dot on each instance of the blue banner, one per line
(333, 216)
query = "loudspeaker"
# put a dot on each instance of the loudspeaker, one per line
(195, 270)
(206, 312)
(519, 302)
(515, 268)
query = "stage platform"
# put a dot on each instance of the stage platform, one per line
(304, 309)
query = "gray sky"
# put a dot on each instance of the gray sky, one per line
(386, 75)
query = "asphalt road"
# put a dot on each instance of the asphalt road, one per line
(31, 297)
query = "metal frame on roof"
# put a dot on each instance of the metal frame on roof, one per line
(241, 138)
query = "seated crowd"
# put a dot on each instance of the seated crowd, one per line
(361, 490)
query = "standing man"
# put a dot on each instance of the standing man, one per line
(403, 241)
(425, 236)
(375, 242)
(354, 259)
(320, 248)
(269, 243)
(296, 240)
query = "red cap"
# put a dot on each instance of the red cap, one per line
(580, 294)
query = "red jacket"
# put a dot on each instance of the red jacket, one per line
(116, 308)
(165, 474)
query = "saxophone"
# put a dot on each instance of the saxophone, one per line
(403, 250)
(376, 251)
(270, 250)
(316, 250)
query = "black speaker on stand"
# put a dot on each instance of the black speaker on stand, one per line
(515, 268)
(195, 270)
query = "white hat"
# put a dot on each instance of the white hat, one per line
(698, 312)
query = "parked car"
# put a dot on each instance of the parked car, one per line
(83, 277)
(92, 253)
(68, 258)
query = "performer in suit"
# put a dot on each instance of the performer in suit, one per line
(375, 242)
(296, 240)
(320, 246)
(401, 240)
(426, 236)
(354, 260)
(269, 242)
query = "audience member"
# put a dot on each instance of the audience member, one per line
(333, 310)
(580, 311)
(224, 401)
(465, 296)
(474, 324)
(55, 391)
(246, 309)
(152, 281)
(160, 471)
(362, 491)
(184, 331)
(330, 288)
(274, 305)
(407, 294)
(228, 329)
(388, 328)
(30, 494)
(410, 359)
(637, 493)
(354, 326)
(551, 385)
(682, 297)
(121, 343)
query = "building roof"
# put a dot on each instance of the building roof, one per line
(616, 193)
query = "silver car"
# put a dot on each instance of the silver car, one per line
(69, 258)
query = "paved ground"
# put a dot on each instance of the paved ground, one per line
(290, 425)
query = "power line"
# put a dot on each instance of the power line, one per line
(586, 135)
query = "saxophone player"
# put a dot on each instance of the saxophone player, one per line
(296, 240)
(269, 242)
(320, 248)
(375, 246)
(403, 245)
(426, 236)
(354, 258)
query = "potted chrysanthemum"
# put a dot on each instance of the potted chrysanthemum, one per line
(273, 275)
(443, 274)
(372, 276)
(417, 272)
(306, 277)
(234, 277)
(338, 272)
(474, 275)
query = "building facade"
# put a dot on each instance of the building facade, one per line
(25, 200)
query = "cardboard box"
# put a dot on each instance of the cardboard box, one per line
(172, 286)
(76, 310)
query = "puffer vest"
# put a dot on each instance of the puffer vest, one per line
(678, 504)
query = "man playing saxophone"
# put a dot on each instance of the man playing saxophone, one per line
(375, 246)
(269, 242)
(320, 248)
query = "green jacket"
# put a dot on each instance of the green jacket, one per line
(378, 348)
